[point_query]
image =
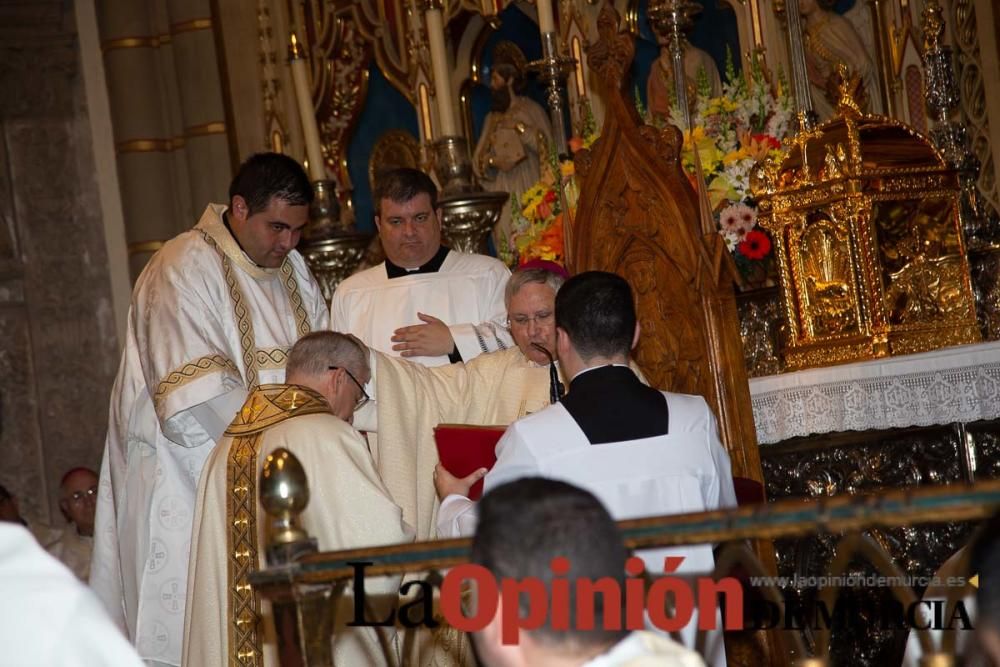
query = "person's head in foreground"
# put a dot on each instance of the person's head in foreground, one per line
(78, 499)
(407, 216)
(530, 297)
(595, 321)
(522, 527)
(268, 207)
(334, 365)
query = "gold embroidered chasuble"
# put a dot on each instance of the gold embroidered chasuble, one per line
(266, 407)
(349, 508)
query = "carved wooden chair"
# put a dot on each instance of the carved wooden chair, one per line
(639, 217)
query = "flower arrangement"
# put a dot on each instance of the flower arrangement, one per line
(729, 135)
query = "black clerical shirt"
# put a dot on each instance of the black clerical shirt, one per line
(433, 266)
(611, 404)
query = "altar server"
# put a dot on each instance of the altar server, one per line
(642, 452)
(425, 301)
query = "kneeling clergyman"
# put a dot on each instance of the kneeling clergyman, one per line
(349, 505)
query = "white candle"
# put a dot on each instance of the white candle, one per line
(303, 99)
(546, 20)
(439, 63)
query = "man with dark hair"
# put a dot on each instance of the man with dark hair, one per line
(523, 526)
(425, 302)
(213, 315)
(77, 502)
(516, 133)
(349, 507)
(643, 452)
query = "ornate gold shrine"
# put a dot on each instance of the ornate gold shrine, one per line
(863, 213)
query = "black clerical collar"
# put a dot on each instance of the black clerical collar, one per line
(433, 266)
(596, 375)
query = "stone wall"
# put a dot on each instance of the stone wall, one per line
(58, 346)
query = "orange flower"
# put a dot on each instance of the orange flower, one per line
(575, 144)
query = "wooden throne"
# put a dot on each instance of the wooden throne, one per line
(638, 217)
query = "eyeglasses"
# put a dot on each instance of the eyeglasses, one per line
(78, 496)
(364, 394)
(540, 318)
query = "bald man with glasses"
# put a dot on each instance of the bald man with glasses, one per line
(349, 507)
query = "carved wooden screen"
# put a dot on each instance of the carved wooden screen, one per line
(639, 217)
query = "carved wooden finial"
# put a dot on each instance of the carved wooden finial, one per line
(612, 54)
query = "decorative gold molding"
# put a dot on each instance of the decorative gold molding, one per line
(205, 129)
(144, 246)
(150, 42)
(149, 145)
(191, 26)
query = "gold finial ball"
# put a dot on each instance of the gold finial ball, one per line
(284, 488)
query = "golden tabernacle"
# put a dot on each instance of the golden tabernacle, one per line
(864, 215)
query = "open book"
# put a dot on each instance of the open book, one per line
(464, 448)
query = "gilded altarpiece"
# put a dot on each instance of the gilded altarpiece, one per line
(863, 211)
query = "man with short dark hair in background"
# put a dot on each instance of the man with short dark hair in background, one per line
(425, 302)
(77, 502)
(212, 317)
(525, 525)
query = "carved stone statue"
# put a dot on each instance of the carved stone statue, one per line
(660, 91)
(830, 40)
(515, 136)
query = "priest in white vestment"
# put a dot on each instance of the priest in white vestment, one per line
(348, 508)
(640, 451)
(425, 301)
(212, 317)
(492, 389)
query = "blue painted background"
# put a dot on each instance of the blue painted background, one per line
(385, 109)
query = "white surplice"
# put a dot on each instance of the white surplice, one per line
(686, 471)
(48, 617)
(206, 324)
(466, 293)
(349, 508)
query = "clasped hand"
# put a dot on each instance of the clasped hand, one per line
(432, 339)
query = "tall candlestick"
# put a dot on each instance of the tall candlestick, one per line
(442, 82)
(303, 99)
(546, 20)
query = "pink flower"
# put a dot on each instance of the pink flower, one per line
(737, 219)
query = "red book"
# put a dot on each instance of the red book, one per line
(464, 449)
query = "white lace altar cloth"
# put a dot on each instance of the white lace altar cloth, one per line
(956, 384)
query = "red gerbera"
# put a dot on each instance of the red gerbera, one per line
(755, 245)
